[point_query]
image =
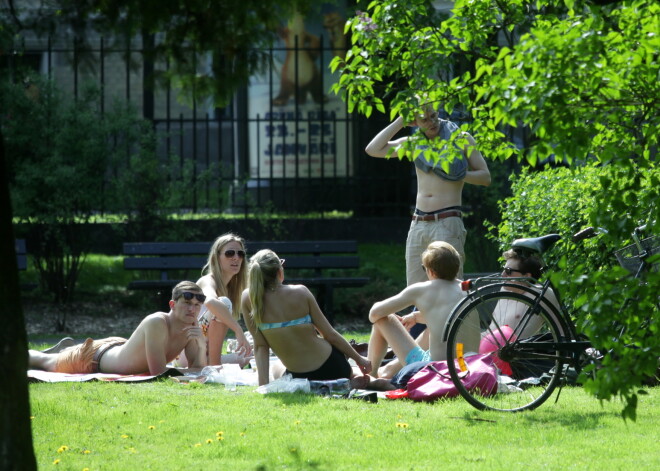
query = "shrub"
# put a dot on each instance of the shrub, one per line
(615, 199)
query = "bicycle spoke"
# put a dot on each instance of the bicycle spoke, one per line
(524, 341)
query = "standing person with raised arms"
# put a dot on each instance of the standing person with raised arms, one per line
(440, 181)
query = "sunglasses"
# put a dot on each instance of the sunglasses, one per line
(187, 295)
(231, 252)
(509, 270)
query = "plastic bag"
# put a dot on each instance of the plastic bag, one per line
(231, 375)
(286, 383)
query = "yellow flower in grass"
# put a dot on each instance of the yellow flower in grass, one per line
(297, 422)
(242, 434)
(220, 438)
(57, 461)
(219, 434)
(62, 449)
(87, 452)
(209, 441)
(152, 427)
(197, 445)
(85, 469)
(402, 425)
(125, 436)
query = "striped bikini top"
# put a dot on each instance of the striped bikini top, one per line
(276, 325)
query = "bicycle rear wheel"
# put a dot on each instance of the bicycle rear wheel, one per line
(527, 353)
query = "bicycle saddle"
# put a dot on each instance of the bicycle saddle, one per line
(535, 244)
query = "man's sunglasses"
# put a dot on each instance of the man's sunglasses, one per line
(231, 252)
(187, 295)
(509, 270)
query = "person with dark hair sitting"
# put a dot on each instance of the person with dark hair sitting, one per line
(509, 312)
(156, 341)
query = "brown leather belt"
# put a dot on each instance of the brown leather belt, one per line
(435, 217)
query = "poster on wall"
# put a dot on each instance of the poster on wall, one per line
(297, 126)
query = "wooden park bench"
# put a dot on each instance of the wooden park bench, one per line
(320, 265)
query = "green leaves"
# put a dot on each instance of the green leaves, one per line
(591, 281)
(583, 81)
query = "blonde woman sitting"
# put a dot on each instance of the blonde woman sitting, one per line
(223, 280)
(288, 320)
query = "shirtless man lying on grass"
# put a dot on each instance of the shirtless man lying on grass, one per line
(158, 339)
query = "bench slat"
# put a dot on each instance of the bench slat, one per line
(334, 282)
(165, 263)
(282, 248)
(189, 263)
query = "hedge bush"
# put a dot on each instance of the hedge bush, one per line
(614, 199)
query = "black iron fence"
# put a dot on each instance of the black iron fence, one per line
(265, 151)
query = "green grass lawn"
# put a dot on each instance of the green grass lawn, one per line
(169, 426)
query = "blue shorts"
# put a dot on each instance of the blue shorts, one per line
(400, 380)
(417, 354)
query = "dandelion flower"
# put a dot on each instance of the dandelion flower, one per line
(219, 434)
(242, 434)
(402, 424)
(152, 427)
(197, 444)
(57, 461)
(209, 441)
(220, 438)
(125, 436)
(31, 417)
(62, 449)
(297, 422)
(85, 469)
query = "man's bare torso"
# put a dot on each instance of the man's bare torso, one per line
(434, 193)
(131, 357)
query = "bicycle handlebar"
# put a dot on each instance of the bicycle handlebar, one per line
(586, 233)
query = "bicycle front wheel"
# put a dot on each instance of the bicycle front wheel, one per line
(521, 338)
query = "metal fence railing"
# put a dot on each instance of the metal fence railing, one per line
(302, 155)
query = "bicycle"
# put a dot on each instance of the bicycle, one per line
(534, 352)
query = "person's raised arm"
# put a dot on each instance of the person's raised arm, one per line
(261, 347)
(477, 173)
(384, 308)
(332, 336)
(216, 334)
(155, 339)
(382, 145)
(196, 347)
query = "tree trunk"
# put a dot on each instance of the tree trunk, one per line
(16, 451)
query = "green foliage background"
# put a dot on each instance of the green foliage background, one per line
(571, 82)
(592, 283)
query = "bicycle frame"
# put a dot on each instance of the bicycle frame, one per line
(569, 343)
